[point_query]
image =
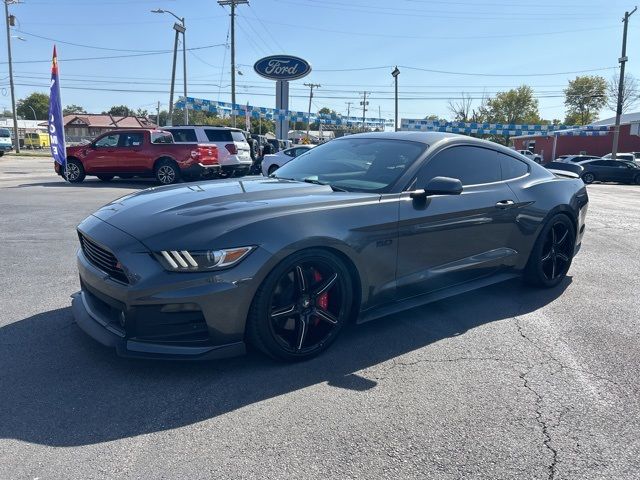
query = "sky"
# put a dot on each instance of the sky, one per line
(442, 48)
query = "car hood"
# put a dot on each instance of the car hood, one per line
(159, 215)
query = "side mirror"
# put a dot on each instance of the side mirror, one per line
(439, 186)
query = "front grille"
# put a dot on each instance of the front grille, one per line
(102, 258)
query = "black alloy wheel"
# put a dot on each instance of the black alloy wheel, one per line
(588, 178)
(74, 171)
(552, 254)
(302, 306)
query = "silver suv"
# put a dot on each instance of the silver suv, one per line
(234, 152)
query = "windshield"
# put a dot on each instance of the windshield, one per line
(354, 164)
(4, 133)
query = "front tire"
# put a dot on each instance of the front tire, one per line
(301, 306)
(588, 178)
(74, 171)
(167, 172)
(552, 253)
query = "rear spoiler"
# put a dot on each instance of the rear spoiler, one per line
(570, 170)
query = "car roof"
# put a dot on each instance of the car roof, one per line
(431, 138)
(204, 126)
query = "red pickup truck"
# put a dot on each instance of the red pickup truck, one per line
(139, 153)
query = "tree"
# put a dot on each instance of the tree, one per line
(326, 111)
(461, 108)
(120, 111)
(630, 92)
(584, 98)
(515, 106)
(71, 109)
(39, 102)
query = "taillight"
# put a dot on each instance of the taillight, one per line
(208, 154)
(231, 148)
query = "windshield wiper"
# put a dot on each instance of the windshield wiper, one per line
(315, 181)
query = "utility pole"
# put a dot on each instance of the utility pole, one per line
(232, 4)
(311, 87)
(11, 21)
(184, 72)
(623, 60)
(180, 28)
(364, 104)
(379, 115)
(348, 108)
(158, 114)
(395, 74)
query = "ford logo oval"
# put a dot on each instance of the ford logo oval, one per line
(282, 67)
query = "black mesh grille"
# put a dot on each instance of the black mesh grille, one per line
(102, 258)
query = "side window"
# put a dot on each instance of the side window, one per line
(131, 139)
(471, 165)
(600, 163)
(290, 153)
(512, 167)
(108, 141)
(218, 135)
(187, 135)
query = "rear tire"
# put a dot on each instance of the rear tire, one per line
(588, 178)
(105, 178)
(301, 306)
(74, 171)
(552, 253)
(167, 172)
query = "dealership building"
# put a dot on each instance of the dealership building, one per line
(551, 145)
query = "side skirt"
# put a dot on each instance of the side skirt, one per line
(396, 307)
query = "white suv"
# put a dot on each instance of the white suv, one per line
(234, 152)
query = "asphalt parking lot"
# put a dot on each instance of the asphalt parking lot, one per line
(506, 382)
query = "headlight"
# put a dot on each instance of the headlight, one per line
(201, 260)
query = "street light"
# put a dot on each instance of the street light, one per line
(34, 112)
(11, 21)
(179, 28)
(395, 74)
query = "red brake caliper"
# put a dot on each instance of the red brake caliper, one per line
(323, 300)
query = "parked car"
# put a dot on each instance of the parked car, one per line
(270, 163)
(625, 157)
(603, 170)
(275, 143)
(36, 140)
(356, 229)
(234, 152)
(139, 153)
(6, 145)
(530, 155)
(262, 141)
(575, 158)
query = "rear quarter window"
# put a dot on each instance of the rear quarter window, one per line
(238, 137)
(512, 167)
(218, 135)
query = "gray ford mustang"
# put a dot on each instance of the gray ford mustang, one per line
(356, 229)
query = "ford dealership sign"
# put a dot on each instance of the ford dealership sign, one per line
(282, 67)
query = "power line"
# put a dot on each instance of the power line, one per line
(86, 46)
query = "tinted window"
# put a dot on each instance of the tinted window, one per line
(511, 167)
(238, 136)
(218, 135)
(471, 165)
(184, 135)
(108, 141)
(600, 163)
(5, 133)
(131, 139)
(355, 164)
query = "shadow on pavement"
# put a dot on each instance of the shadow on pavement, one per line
(60, 388)
(95, 183)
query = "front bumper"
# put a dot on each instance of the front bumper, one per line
(161, 314)
(6, 148)
(101, 328)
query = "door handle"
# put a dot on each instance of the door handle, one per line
(505, 204)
